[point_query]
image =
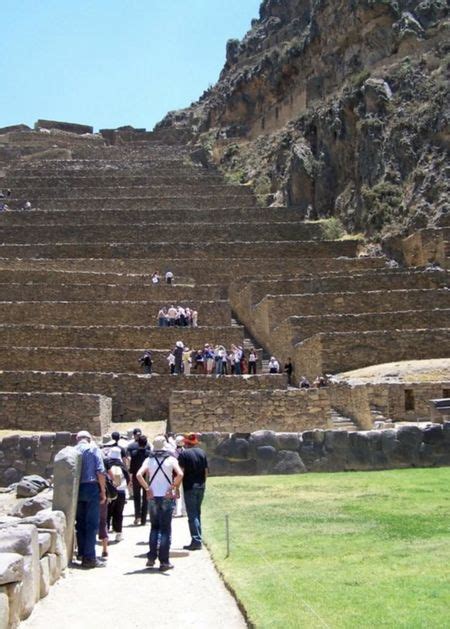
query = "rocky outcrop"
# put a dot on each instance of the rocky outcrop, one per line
(336, 107)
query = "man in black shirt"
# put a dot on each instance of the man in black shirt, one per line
(138, 452)
(194, 464)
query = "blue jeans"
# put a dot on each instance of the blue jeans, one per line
(160, 512)
(87, 520)
(193, 499)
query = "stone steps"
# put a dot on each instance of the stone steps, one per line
(341, 422)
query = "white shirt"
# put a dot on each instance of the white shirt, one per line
(160, 483)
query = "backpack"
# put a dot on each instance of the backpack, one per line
(110, 490)
(117, 473)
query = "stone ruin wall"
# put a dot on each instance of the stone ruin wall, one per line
(268, 452)
(22, 455)
(134, 397)
(245, 411)
(348, 351)
(43, 411)
(300, 410)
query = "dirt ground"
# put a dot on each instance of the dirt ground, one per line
(127, 594)
(435, 370)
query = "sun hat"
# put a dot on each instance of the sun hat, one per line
(159, 443)
(83, 434)
(191, 439)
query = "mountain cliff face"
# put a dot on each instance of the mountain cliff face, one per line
(337, 107)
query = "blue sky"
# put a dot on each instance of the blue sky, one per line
(112, 62)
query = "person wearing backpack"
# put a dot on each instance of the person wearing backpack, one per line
(160, 475)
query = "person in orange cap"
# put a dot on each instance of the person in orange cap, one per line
(194, 464)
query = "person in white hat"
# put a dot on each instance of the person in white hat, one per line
(160, 476)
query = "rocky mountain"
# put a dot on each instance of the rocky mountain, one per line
(337, 107)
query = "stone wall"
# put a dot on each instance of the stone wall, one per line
(239, 411)
(267, 452)
(222, 267)
(30, 454)
(281, 306)
(106, 312)
(291, 249)
(49, 288)
(297, 328)
(134, 397)
(185, 232)
(119, 337)
(55, 411)
(381, 280)
(333, 353)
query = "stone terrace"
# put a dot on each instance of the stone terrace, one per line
(77, 306)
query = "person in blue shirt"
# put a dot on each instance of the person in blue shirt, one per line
(91, 494)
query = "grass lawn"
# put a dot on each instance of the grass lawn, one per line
(361, 549)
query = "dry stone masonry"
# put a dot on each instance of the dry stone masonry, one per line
(78, 307)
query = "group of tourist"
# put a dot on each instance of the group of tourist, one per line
(157, 276)
(161, 478)
(6, 194)
(177, 316)
(211, 360)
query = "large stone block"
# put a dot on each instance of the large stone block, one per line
(45, 542)
(289, 463)
(14, 592)
(233, 448)
(44, 577)
(11, 568)
(31, 506)
(288, 441)
(4, 608)
(262, 438)
(65, 490)
(23, 540)
(54, 568)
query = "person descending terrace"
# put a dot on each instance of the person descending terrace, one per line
(156, 278)
(274, 365)
(169, 277)
(146, 362)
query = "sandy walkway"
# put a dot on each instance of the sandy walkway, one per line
(126, 594)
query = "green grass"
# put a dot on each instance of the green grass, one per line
(348, 550)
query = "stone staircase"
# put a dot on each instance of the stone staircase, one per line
(77, 306)
(341, 422)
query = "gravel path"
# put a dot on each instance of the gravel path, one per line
(126, 594)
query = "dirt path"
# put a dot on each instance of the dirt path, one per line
(126, 594)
